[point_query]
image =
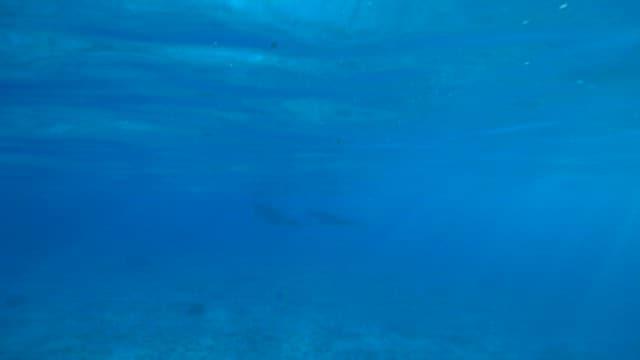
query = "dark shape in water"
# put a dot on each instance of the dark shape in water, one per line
(136, 262)
(14, 301)
(274, 45)
(619, 68)
(274, 216)
(196, 309)
(326, 218)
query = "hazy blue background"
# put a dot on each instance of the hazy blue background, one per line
(382, 179)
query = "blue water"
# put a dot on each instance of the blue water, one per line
(353, 179)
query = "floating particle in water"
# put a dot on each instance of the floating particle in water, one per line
(563, 6)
